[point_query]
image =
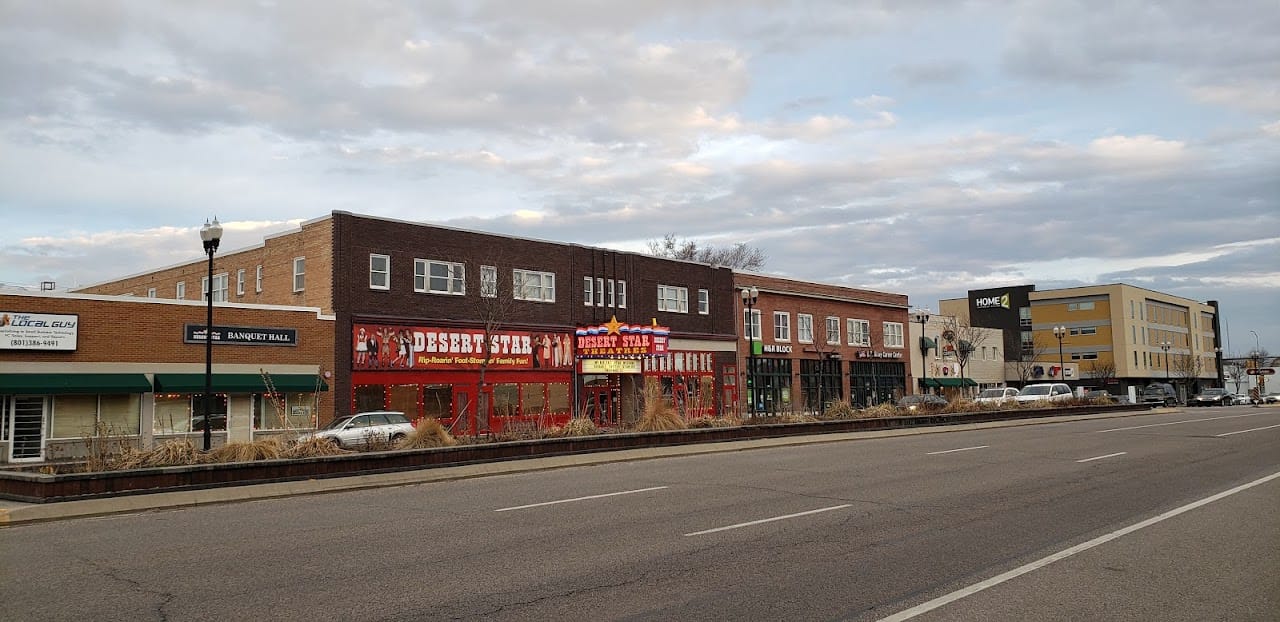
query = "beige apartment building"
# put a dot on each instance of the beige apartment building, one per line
(1114, 336)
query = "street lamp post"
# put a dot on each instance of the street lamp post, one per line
(1061, 333)
(1165, 345)
(749, 298)
(210, 234)
(922, 316)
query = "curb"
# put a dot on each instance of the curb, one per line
(13, 513)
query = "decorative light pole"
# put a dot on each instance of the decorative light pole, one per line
(1261, 380)
(749, 297)
(1165, 345)
(210, 234)
(1061, 333)
(922, 317)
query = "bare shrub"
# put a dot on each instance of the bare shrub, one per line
(428, 433)
(706, 421)
(797, 418)
(840, 410)
(880, 410)
(578, 426)
(962, 405)
(312, 448)
(265, 449)
(104, 448)
(658, 415)
(174, 452)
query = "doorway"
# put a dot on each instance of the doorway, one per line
(26, 416)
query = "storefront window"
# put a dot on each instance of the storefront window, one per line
(370, 397)
(217, 418)
(287, 411)
(404, 398)
(506, 400)
(437, 401)
(120, 414)
(533, 398)
(558, 398)
(74, 416)
(172, 414)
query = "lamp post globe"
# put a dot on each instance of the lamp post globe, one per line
(922, 317)
(210, 235)
(1061, 333)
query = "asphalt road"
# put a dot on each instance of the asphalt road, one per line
(901, 528)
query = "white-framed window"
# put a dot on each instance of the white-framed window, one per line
(751, 324)
(240, 282)
(533, 285)
(151, 292)
(588, 291)
(181, 293)
(622, 294)
(673, 299)
(299, 274)
(379, 271)
(833, 330)
(613, 293)
(1085, 330)
(704, 302)
(489, 281)
(439, 277)
(804, 328)
(219, 287)
(599, 291)
(257, 287)
(859, 332)
(781, 326)
(893, 335)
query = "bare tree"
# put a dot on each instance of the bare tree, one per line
(962, 340)
(1029, 359)
(1187, 370)
(1103, 371)
(738, 257)
(1234, 372)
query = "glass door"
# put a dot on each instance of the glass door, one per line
(26, 427)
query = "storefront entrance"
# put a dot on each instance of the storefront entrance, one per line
(601, 402)
(25, 416)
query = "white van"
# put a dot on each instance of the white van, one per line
(997, 395)
(1051, 391)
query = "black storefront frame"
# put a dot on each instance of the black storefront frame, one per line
(877, 382)
(820, 383)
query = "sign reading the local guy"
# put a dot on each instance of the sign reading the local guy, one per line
(242, 335)
(38, 331)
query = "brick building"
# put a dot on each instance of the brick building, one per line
(817, 344)
(414, 306)
(79, 365)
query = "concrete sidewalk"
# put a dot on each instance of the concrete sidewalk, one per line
(17, 513)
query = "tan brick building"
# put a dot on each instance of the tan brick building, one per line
(72, 365)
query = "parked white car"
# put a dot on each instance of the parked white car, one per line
(994, 396)
(1051, 391)
(364, 429)
(1240, 399)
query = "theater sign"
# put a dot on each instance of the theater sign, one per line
(615, 339)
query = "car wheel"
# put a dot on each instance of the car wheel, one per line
(398, 438)
(336, 443)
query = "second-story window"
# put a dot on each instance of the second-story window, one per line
(299, 273)
(489, 281)
(751, 324)
(379, 272)
(893, 335)
(588, 291)
(151, 292)
(439, 277)
(704, 302)
(240, 282)
(804, 328)
(859, 332)
(219, 287)
(781, 326)
(833, 331)
(673, 299)
(533, 285)
(181, 293)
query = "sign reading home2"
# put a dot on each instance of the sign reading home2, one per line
(38, 331)
(242, 335)
(992, 302)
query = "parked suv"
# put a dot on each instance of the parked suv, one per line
(998, 395)
(1212, 397)
(363, 429)
(1160, 394)
(1050, 391)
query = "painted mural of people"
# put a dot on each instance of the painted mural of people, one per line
(362, 347)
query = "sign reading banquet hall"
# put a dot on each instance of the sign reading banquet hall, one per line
(386, 347)
(242, 335)
(620, 340)
(38, 331)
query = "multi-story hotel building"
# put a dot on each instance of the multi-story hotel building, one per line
(1113, 336)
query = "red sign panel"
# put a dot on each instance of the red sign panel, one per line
(385, 347)
(616, 339)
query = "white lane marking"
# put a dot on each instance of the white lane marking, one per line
(611, 494)
(1250, 430)
(1121, 453)
(1156, 425)
(951, 451)
(768, 520)
(1065, 553)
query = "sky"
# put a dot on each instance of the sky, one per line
(918, 147)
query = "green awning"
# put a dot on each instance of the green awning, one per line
(927, 344)
(240, 383)
(949, 382)
(62, 384)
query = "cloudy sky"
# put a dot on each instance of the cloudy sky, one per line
(913, 146)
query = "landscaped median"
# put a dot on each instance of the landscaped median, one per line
(35, 487)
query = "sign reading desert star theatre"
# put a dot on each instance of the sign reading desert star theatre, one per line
(387, 347)
(617, 339)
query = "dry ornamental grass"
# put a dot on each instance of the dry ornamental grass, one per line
(428, 433)
(578, 426)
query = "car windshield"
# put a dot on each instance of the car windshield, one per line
(992, 393)
(1153, 389)
(1036, 389)
(336, 423)
(1214, 392)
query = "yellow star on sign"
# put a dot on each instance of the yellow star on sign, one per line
(613, 325)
